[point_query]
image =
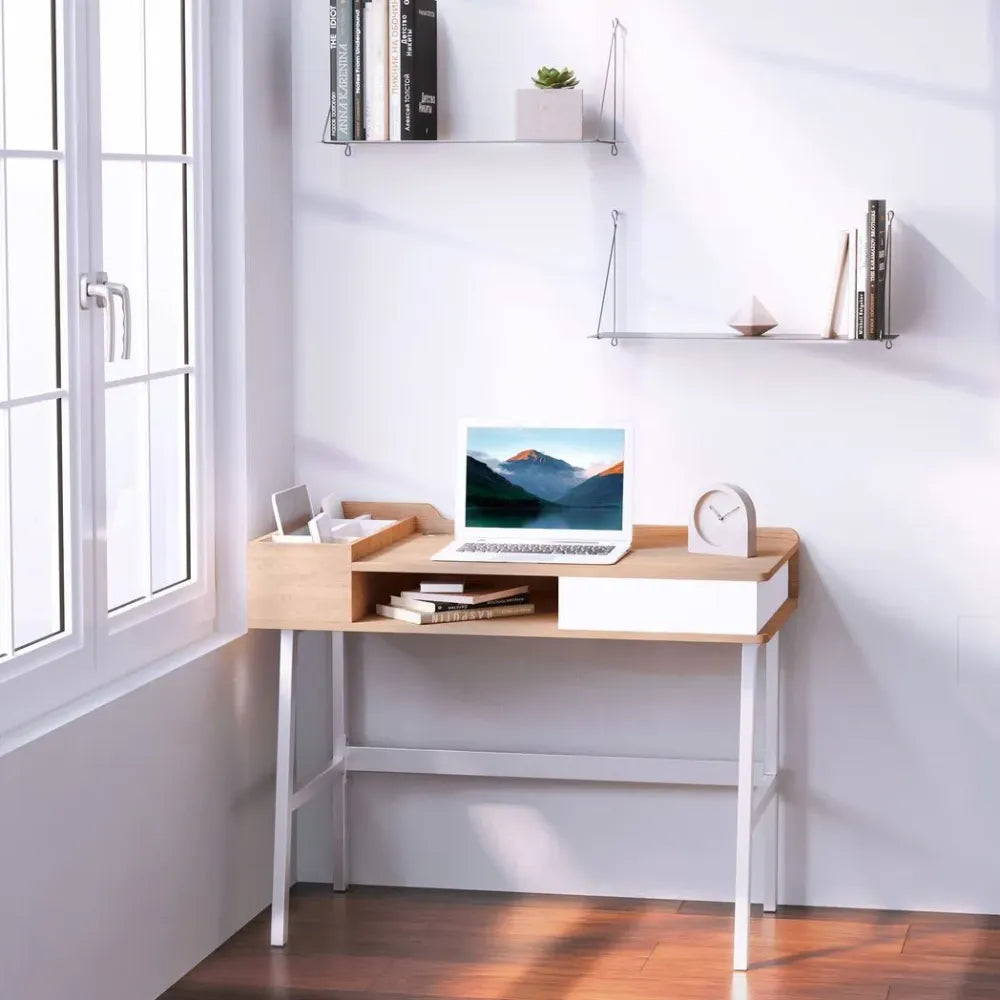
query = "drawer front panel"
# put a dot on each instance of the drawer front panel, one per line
(704, 607)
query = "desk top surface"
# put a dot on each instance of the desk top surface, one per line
(658, 552)
(336, 587)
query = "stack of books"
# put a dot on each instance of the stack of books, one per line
(383, 70)
(453, 601)
(871, 255)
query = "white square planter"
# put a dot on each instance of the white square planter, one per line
(549, 115)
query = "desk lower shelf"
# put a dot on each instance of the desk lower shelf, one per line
(545, 625)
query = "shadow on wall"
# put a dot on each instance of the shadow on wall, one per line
(324, 463)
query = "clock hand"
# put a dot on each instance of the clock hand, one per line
(716, 513)
(733, 511)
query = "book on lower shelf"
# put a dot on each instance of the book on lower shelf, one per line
(441, 617)
(470, 596)
(442, 586)
(433, 603)
(420, 608)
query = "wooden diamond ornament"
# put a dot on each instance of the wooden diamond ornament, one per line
(753, 319)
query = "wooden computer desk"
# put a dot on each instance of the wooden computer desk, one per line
(659, 592)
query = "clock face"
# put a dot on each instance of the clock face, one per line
(723, 521)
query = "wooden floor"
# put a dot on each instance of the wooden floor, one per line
(392, 944)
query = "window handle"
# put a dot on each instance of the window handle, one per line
(117, 288)
(96, 290)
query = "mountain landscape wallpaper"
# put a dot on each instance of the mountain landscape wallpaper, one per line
(545, 477)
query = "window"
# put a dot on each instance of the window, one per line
(104, 388)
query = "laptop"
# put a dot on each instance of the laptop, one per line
(533, 494)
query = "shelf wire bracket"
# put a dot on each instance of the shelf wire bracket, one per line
(611, 80)
(611, 282)
(889, 336)
(331, 140)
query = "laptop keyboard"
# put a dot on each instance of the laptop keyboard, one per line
(515, 548)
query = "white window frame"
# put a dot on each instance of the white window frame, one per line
(97, 651)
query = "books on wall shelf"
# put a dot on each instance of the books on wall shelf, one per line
(455, 602)
(871, 256)
(383, 70)
(867, 314)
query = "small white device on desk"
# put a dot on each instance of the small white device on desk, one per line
(295, 521)
(542, 495)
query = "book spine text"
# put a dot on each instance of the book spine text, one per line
(334, 107)
(375, 69)
(872, 256)
(395, 102)
(345, 71)
(406, 90)
(359, 69)
(424, 93)
(880, 265)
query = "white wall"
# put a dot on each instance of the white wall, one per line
(437, 283)
(137, 838)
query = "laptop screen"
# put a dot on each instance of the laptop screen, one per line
(552, 478)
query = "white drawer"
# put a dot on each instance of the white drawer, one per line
(699, 607)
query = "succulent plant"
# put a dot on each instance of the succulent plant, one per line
(550, 78)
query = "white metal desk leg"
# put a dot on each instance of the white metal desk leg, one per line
(744, 805)
(339, 687)
(284, 777)
(772, 745)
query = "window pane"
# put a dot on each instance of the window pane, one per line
(123, 121)
(27, 64)
(32, 289)
(6, 574)
(167, 281)
(3, 284)
(127, 493)
(143, 76)
(37, 535)
(165, 76)
(169, 481)
(124, 221)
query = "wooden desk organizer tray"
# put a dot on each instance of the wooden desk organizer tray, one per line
(658, 590)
